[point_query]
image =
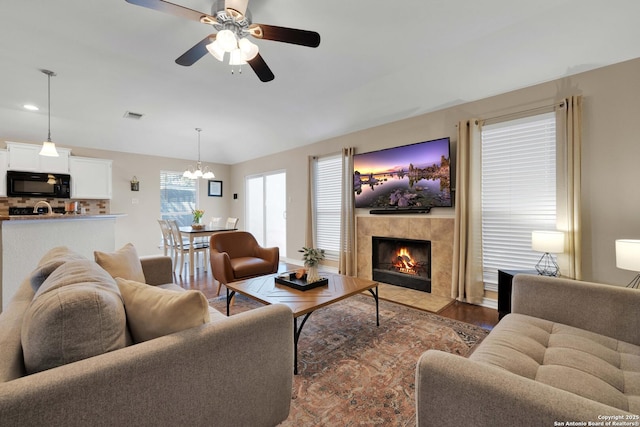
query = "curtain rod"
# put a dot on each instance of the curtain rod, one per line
(523, 112)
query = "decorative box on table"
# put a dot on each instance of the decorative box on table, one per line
(290, 280)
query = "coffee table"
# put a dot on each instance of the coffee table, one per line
(264, 289)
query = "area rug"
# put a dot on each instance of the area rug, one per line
(354, 373)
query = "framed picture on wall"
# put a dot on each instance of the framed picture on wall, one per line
(215, 188)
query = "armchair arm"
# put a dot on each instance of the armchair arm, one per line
(221, 266)
(270, 254)
(234, 372)
(453, 390)
(157, 269)
(603, 309)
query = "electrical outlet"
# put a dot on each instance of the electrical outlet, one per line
(134, 201)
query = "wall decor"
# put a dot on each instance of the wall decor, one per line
(215, 188)
(135, 184)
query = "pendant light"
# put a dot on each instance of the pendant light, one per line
(198, 172)
(48, 147)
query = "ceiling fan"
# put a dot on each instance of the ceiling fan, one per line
(232, 20)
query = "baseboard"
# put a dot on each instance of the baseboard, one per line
(489, 303)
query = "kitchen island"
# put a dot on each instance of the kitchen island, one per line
(26, 238)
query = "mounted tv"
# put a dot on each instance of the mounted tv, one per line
(413, 177)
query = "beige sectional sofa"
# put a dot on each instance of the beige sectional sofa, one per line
(568, 354)
(225, 372)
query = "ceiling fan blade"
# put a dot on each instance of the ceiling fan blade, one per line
(261, 68)
(286, 35)
(196, 52)
(174, 9)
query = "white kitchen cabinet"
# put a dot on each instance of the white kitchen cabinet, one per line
(3, 173)
(26, 157)
(90, 178)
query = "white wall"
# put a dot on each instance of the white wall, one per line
(610, 199)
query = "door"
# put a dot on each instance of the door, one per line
(266, 209)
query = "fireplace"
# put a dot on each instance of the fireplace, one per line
(402, 262)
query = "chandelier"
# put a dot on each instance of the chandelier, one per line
(198, 172)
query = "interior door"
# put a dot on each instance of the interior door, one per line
(266, 209)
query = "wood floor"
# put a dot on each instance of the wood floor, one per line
(484, 317)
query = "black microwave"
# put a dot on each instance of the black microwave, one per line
(34, 184)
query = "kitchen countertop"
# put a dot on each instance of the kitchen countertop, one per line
(59, 217)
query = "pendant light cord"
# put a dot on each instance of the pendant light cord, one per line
(49, 105)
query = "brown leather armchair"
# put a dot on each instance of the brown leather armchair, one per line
(236, 255)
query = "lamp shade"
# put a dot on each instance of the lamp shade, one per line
(547, 241)
(628, 254)
(227, 40)
(216, 50)
(49, 149)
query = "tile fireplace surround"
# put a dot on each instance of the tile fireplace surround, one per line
(439, 230)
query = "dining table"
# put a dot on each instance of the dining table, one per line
(193, 233)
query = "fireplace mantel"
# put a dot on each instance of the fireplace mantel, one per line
(439, 230)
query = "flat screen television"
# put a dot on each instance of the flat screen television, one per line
(410, 177)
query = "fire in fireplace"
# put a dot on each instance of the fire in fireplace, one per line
(402, 262)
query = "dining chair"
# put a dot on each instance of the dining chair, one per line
(167, 237)
(231, 223)
(180, 248)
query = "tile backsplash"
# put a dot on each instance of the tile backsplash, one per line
(92, 207)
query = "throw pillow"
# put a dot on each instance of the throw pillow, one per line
(154, 312)
(77, 313)
(123, 263)
(49, 262)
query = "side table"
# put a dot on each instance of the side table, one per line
(505, 278)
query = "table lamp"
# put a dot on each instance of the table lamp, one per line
(548, 242)
(628, 258)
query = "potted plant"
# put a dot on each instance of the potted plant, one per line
(197, 216)
(312, 258)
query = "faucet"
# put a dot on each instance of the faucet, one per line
(42, 202)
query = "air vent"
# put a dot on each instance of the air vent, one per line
(132, 115)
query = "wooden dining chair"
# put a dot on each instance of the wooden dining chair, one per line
(180, 248)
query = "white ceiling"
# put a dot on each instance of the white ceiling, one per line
(378, 61)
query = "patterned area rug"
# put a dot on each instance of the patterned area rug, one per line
(354, 373)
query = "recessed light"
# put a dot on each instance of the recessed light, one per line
(30, 107)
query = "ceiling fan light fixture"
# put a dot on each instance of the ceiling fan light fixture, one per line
(249, 49)
(227, 40)
(236, 57)
(216, 50)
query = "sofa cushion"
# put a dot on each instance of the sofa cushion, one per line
(584, 363)
(77, 313)
(154, 312)
(250, 266)
(53, 259)
(123, 263)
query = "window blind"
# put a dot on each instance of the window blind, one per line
(518, 191)
(178, 197)
(328, 204)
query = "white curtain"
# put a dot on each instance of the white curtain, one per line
(347, 221)
(569, 137)
(467, 281)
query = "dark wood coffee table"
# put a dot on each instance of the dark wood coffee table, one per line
(264, 289)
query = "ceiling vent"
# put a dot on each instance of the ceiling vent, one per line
(132, 115)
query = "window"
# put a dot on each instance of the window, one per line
(327, 179)
(178, 197)
(518, 191)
